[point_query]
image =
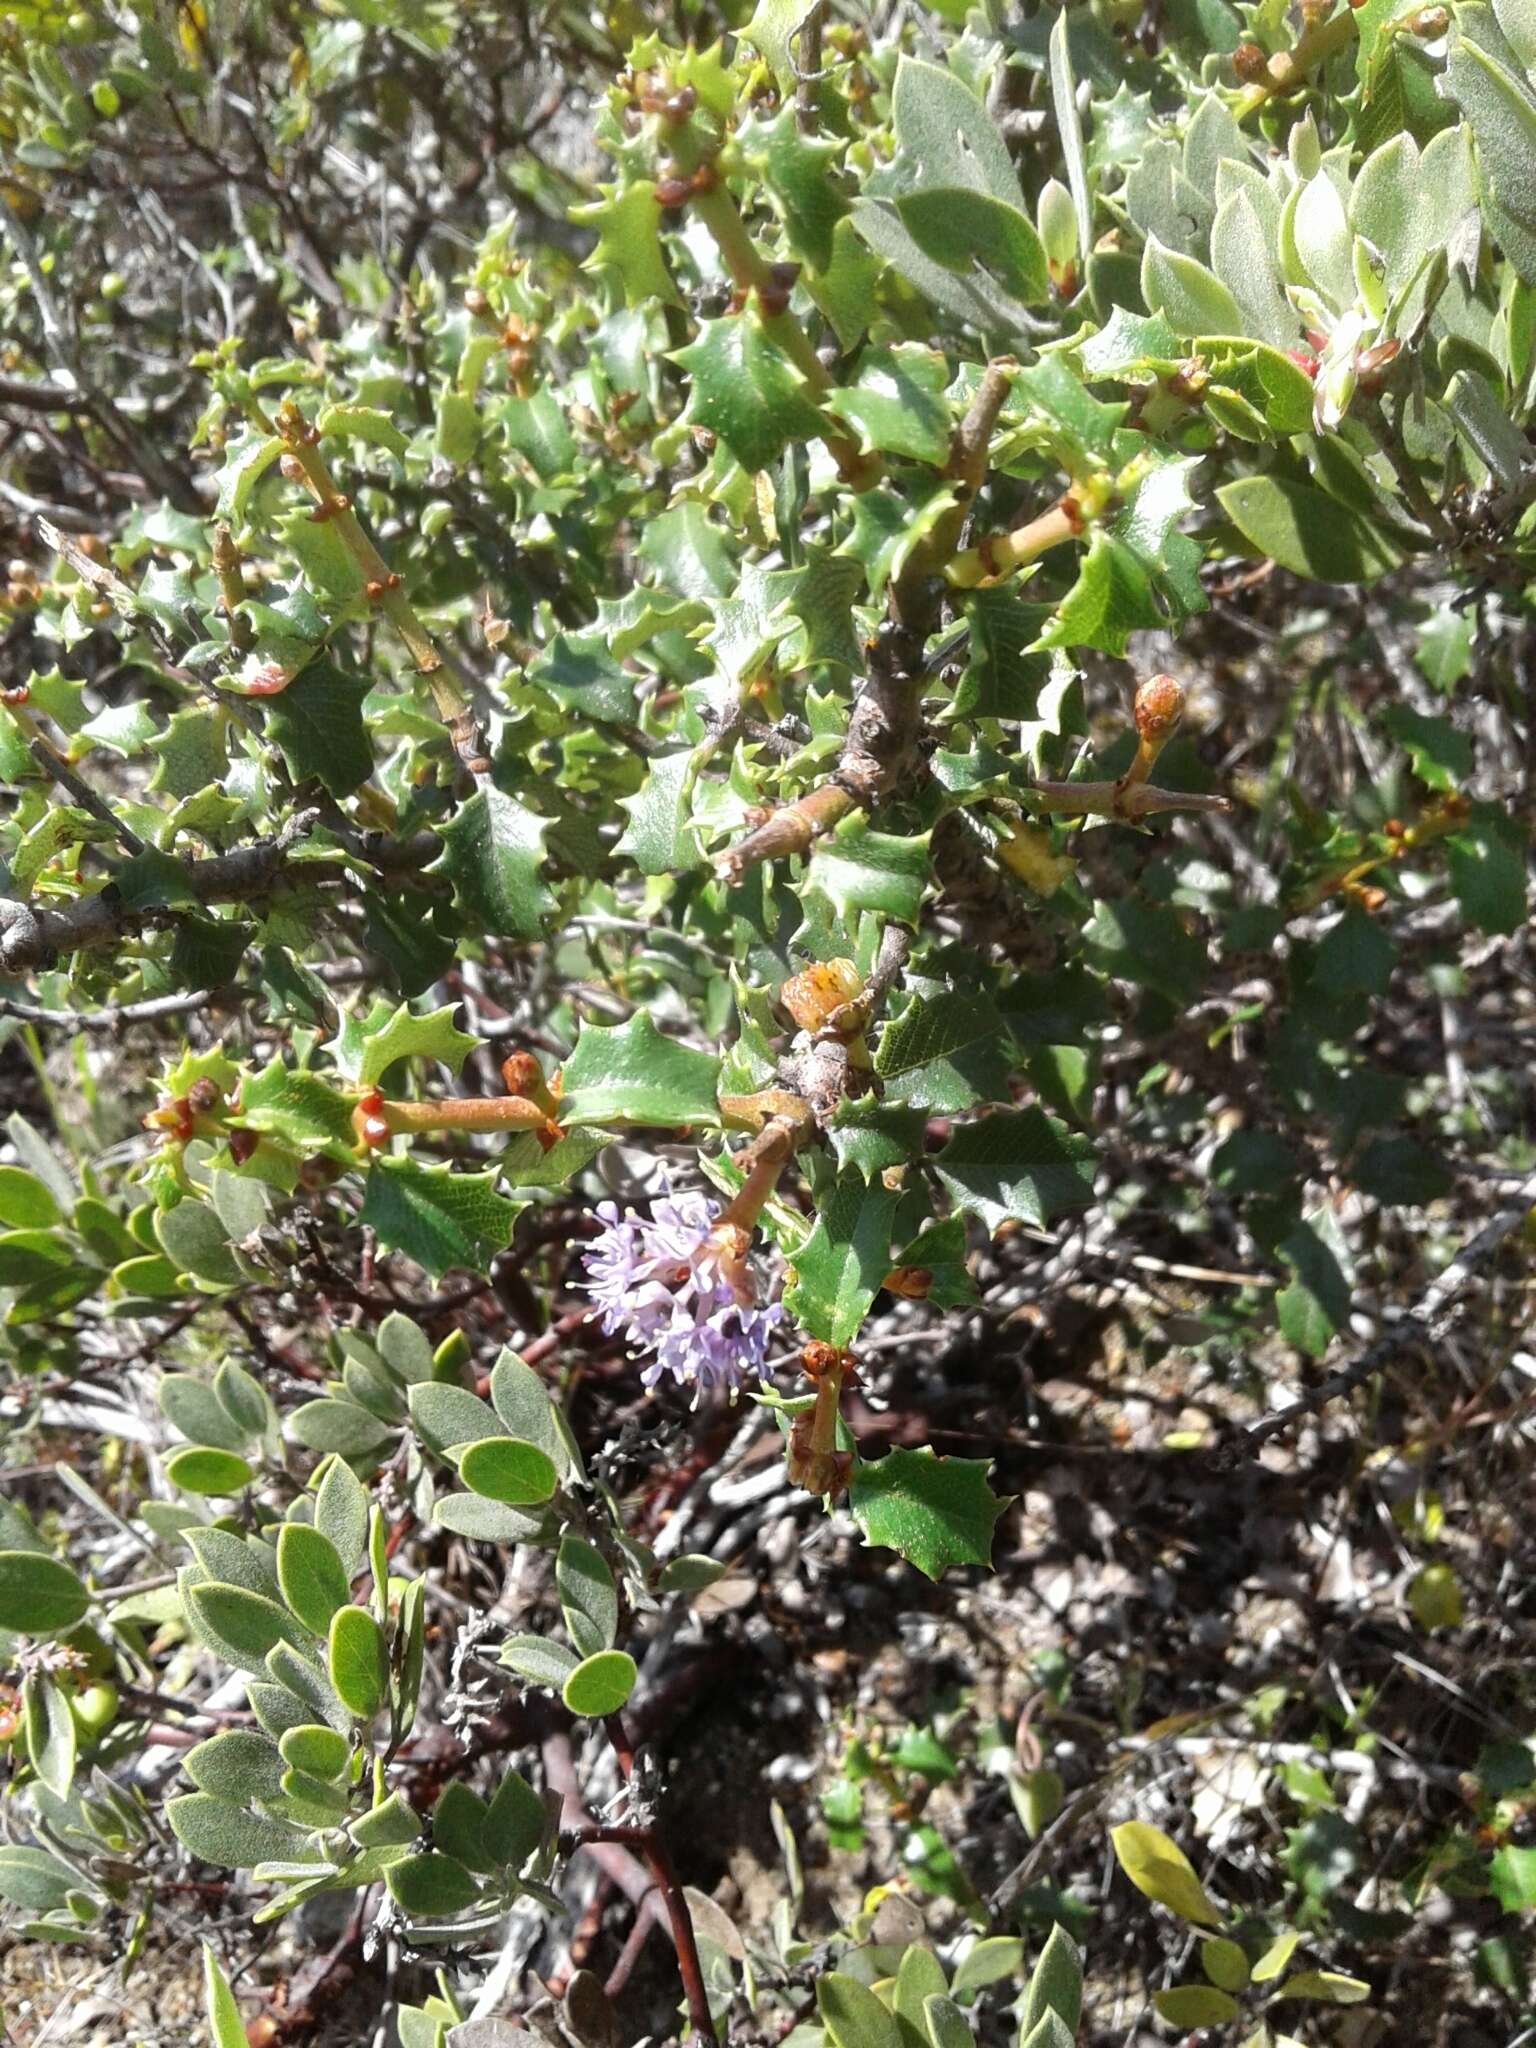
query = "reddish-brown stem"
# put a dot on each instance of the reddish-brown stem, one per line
(650, 1845)
(466, 1113)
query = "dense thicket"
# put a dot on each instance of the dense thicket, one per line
(767, 790)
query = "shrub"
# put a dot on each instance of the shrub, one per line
(627, 725)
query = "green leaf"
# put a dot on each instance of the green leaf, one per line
(192, 1406)
(600, 1685)
(505, 1469)
(1305, 530)
(1161, 1871)
(311, 1574)
(1224, 1963)
(239, 1765)
(1148, 944)
(25, 1203)
(1511, 1878)
(628, 221)
(1444, 652)
(446, 1416)
(1195, 2005)
(196, 1242)
(579, 672)
(362, 423)
(538, 1660)
(34, 1880)
(656, 838)
(49, 1727)
(771, 31)
(945, 2025)
(945, 1052)
(438, 1216)
(840, 1266)
(246, 460)
(853, 2016)
(1318, 1299)
(744, 389)
(241, 1626)
(1434, 1597)
(318, 724)
(1328, 1985)
(589, 1599)
(200, 1470)
(301, 1109)
(1441, 756)
(858, 869)
(514, 1822)
(691, 1572)
(358, 1661)
(39, 1596)
(426, 1887)
(224, 2021)
(965, 230)
(341, 1512)
(868, 1135)
(492, 852)
(1191, 298)
(317, 1751)
(1055, 1984)
(408, 1035)
(1487, 860)
(1502, 114)
(1018, 1165)
(797, 170)
(219, 1832)
(631, 1074)
(344, 1427)
(935, 1512)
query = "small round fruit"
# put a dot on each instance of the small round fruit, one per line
(94, 1708)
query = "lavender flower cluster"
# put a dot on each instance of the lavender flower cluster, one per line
(668, 1284)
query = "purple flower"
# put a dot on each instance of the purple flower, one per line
(679, 1289)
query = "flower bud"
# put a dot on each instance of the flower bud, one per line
(1250, 63)
(817, 993)
(1159, 706)
(1056, 218)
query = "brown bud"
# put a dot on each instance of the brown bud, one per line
(242, 1145)
(818, 1359)
(1159, 706)
(291, 468)
(524, 1076)
(1429, 22)
(204, 1095)
(1250, 63)
(672, 190)
(476, 302)
(813, 996)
